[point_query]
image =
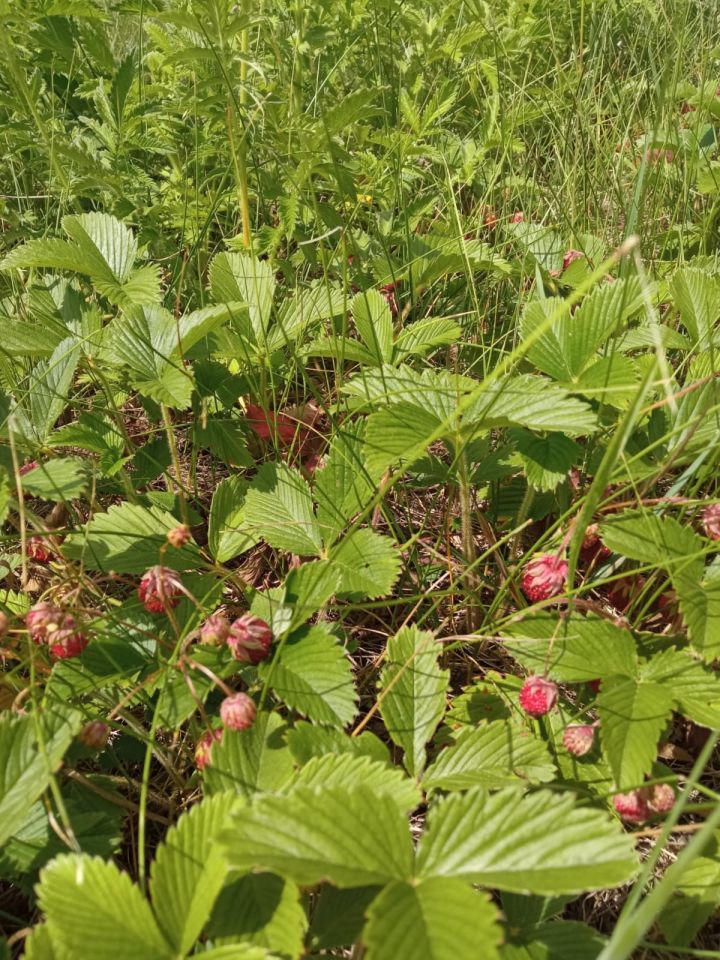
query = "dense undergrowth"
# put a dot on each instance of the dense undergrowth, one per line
(359, 434)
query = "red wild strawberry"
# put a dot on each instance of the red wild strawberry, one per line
(579, 738)
(544, 577)
(594, 685)
(215, 630)
(42, 619)
(250, 639)
(159, 589)
(37, 550)
(632, 806)
(94, 735)
(203, 750)
(179, 536)
(517, 217)
(592, 546)
(570, 257)
(238, 711)
(67, 642)
(538, 696)
(27, 467)
(711, 521)
(661, 797)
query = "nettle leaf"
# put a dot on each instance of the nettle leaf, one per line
(128, 539)
(94, 910)
(189, 871)
(439, 919)
(546, 460)
(494, 755)
(25, 769)
(537, 843)
(59, 479)
(694, 687)
(532, 402)
(413, 691)
(350, 837)
(369, 564)
(373, 321)
(311, 673)
(632, 717)
(697, 296)
(261, 909)
(662, 541)
(346, 769)
(248, 761)
(279, 509)
(573, 649)
(227, 536)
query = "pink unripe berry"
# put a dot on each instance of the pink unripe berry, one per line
(661, 797)
(215, 630)
(238, 711)
(203, 750)
(249, 639)
(27, 467)
(579, 738)
(43, 618)
(711, 521)
(632, 806)
(37, 550)
(544, 577)
(94, 735)
(159, 589)
(179, 536)
(517, 217)
(538, 696)
(570, 257)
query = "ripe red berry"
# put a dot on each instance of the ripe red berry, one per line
(203, 750)
(94, 735)
(538, 696)
(517, 217)
(711, 521)
(632, 806)
(249, 639)
(67, 642)
(238, 711)
(661, 797)
(592, 546)
(38, 550)
(579, 738)
(595, 685)
(215, 630)
(179, 536)
(570, 257)
(544, 577)
(159, 589)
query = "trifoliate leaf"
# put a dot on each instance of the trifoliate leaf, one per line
(632, 717)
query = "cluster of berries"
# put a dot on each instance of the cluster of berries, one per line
(639, 805)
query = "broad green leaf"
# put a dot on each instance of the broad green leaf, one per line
(103, 240)
(307, 589)
(128, 539)
(632, 717)
(547, 459)
(344, 486)
(227, 536)
(238, 951)
(612, 380)
(246, 761)
(350, 837)
(424, 336)
(439, 919)
(696, 898)
(413, 691)
(312, 674)
(493, 755)
(699, 602)
(602, 312)
(345, 769)
(342, 349)
(60, 479)
(39, 945)
(399, 433)
(555, 940)
(239, 277)
(189, 871)
(369, 564)
(318, 302)
(644, 536)
(695, 688)
(194, 326)
(261, 909)
(46, 394)
(532, 402)
(373, 321)
(339, 916)
(279, 508)
(25, 768)
(538, 843)
(307, 741)
(95, 911)
(573, 649)
(697, 297)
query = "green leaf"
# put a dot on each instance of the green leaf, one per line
(413, 692)
(439, 919)
(189, 871)
(697, 297)
(307, 589)
(59, 479)
(47, 392)
(227, 536)
(572, 649)
(246, 761)
(307, 741)
(662, 541)
(555, 940)
(539, 843)
(238, 951)
(96, 912)
(699, 602)
(25, 768)
(350, 837)
(695, 688)
(532, 402)
(279, 509)
(373, 321)
(345, 769)
(312, 674)
(369, 564)
(344, 486)
(612, 380)
(546, 460)
(262, 909)
(422, 337)
(339, 917)
(129, 539)
(105, 243)
(38, 945)
(632, 717)
(696, 898)
(399, 433)
(493, 755)
(240, 277)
